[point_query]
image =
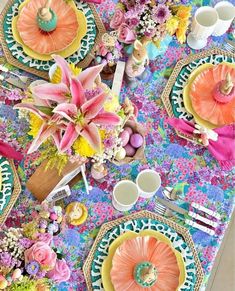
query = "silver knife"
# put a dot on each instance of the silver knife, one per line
(16, 83)
(183, 211)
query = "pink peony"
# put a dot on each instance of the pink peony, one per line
(125, 34)
(60, 273)
(117, 19)
(45, 237)
(41, 253)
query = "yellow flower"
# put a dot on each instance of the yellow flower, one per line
(35, 124)
(30, 229)
(172, 24)
(56, 78)
(184, 12)
(82, 147)
(181, 34)
(112, 105)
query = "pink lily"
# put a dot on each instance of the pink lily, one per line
(83, 116)
(52, 126)
(73, 115)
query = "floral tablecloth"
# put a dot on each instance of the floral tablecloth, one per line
(177, 160)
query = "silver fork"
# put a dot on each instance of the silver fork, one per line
(162, 210)
(229, 45)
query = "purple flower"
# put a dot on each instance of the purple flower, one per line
(32, 268)
(26, 243)
(5, 259)
(15, 94)
(160, 13)
(41, 274)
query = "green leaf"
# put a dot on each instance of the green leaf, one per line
(46, 110)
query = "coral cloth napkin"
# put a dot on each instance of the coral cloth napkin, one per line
(8, 152)
(222, 149)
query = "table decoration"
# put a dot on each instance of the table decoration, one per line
(147, 19)
(64, 39)
(137, 222)
(175, 95)
(215, 140)
(214, 88)
(108, 51)
(226, 13)
(28, 258)
(14, 51)
(76, 213)
(154, 264)
(203, 25)
(10, 186)
(107, 264)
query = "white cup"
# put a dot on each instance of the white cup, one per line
(203, 25)
(125, 195)
(148, 182)
(226, 13)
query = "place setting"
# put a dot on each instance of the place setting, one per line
(116, 143)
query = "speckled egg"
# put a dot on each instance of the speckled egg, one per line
(124, 136)
(120, 155)
(136, 140)
(130, 151)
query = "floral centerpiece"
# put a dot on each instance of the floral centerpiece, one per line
(150, 19)
(28, 259)
(74, 117)
(68, 120)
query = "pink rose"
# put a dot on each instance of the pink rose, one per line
(125, 34)
(45, 237)
(60, 273)
(41, 253)
(117, 19)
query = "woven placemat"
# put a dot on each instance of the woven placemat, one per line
(143, 214)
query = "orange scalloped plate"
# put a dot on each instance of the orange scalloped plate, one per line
(145, 249)
(203, 102)
(47, 43)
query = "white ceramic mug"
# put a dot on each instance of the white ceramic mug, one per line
(125, 195)
(148, 182)
(203, 25)
(226, 13)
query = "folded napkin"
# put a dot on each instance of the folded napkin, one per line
(220, 141)
(8, 152)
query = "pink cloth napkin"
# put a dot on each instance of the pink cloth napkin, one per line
(8, 152)
(223, 150)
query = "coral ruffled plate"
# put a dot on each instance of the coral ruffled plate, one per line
(47, 43)
(107, 264)
(201, 95)
(51, 45)
(153, 245)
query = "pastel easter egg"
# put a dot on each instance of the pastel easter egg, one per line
(120, 155)
(98, 59)
(109, 56)
(129, 129)
(16, 274)
(3, 284)
(136, 140)
(53, 216)
(130, 151)
(124, 136)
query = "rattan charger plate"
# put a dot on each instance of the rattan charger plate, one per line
(15, 193)
(190, 60)
(106, 227)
